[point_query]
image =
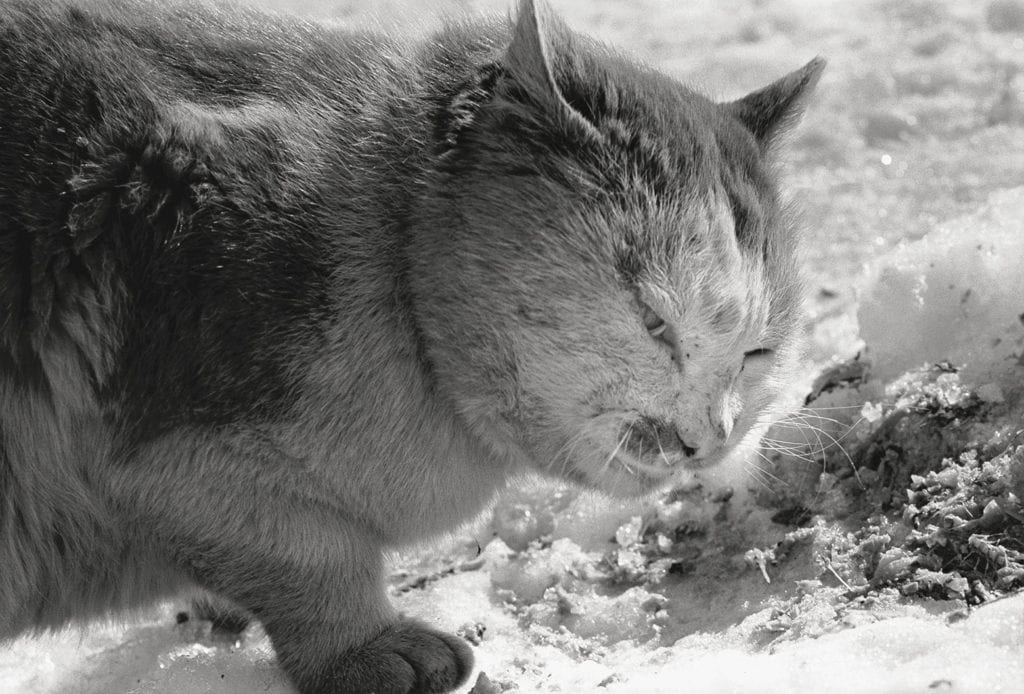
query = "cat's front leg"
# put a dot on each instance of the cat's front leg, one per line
(264, 536)
(407, 656)
(331, 624)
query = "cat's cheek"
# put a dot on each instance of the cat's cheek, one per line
(758, 399)
(752, 425)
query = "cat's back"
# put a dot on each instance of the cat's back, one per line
(204, 52)
(163, 167)
(82, 81)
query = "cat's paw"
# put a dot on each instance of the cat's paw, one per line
(226, 618)
(408, 658)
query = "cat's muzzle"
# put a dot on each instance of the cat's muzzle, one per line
(656, 441)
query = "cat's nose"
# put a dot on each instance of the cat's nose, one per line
(688, 450)
(698, 443)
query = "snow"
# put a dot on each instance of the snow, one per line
(907, 165)
(148, 654)
(921, 652)
(955, 295)
(903, 654)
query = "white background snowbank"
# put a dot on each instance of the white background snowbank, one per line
(956, 295)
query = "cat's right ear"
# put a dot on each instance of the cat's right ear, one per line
(770, 112)
(529, 62)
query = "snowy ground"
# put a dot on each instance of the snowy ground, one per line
(907, 170)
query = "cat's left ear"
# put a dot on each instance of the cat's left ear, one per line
(529, 61)
(770, 112)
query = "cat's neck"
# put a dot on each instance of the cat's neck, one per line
(390, 447)
(383, 418)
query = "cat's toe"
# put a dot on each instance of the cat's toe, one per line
(407, 658)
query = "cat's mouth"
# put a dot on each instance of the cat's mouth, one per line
(647, 438)
(655, 470)
(646, 453)
(649, 448)
(652, 448)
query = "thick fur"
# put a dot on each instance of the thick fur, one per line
(275, 297)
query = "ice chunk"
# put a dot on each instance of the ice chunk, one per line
(956, 295)
(525, 579)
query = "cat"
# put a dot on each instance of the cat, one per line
(277, 297)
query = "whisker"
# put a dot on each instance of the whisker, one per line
(661, 453)
(810, 423)
(768, 474)
(783, 446)
(562, 458)
(615, 451)
(800, 417)
(810, 408)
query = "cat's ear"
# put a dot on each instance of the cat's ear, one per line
(529, 61)
(770, 112)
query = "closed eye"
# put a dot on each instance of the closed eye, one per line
(755, 358)
(656, 327)
(654, 323)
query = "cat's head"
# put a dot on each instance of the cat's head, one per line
(604, 276)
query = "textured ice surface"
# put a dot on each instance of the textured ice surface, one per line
(150, 655)
(905, 654)
(956, 295)
(914, 653)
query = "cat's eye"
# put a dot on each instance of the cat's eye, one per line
(761, 355)
(654, 323)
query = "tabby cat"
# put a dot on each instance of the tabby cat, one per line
(275, 297)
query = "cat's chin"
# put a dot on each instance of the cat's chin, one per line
(626, 477)
(633, 486)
